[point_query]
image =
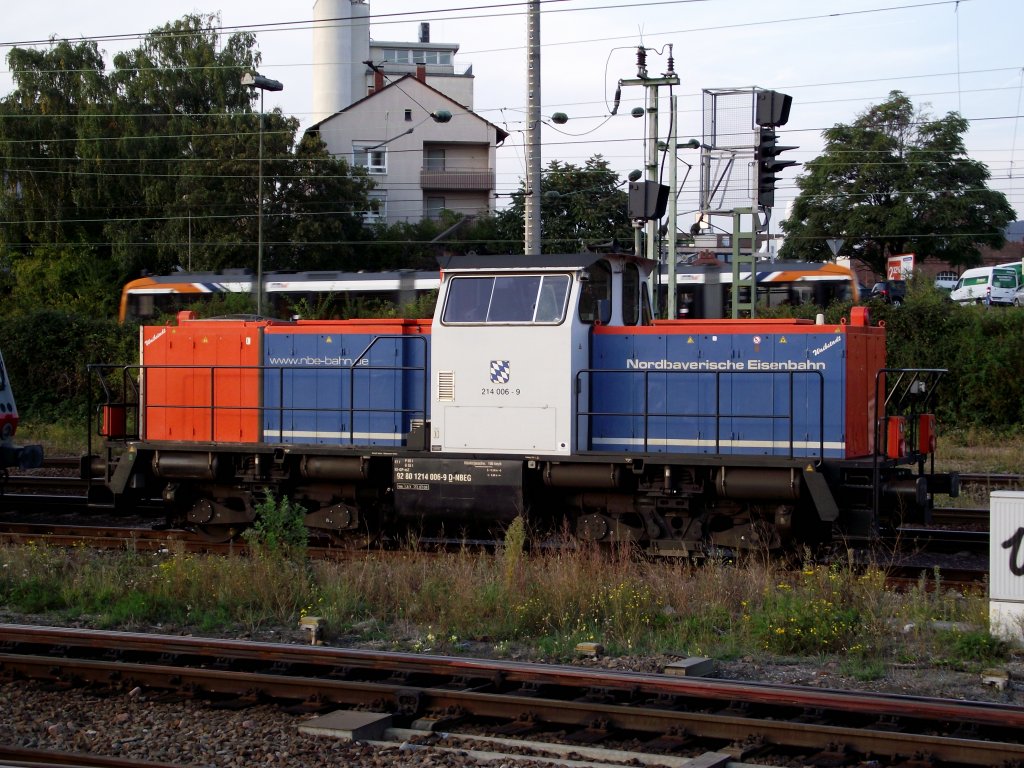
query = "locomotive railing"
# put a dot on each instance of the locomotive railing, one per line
(209, 400)
(359, 365)
(676, 389)
(907, 393)
(117, 412)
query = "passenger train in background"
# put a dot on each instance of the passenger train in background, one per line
(705, 291)
(541, 387)
(702, 291)
(342, 294)
(25, 457)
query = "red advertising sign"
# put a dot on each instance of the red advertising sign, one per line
(899, 267)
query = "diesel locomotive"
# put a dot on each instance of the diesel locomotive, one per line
(542, 387)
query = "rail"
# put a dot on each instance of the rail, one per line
(774, 723)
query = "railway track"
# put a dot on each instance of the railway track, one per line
(13, 757)
(717, 722)
(1008, 480)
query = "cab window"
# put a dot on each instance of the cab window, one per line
(507, 299)
(513, 299)
(630, 294)
(596, 295)
(468, 299)
(554, 290)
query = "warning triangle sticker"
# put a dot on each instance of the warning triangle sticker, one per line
(782, 340)
(689, 340)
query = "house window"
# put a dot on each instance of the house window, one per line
(373, 160)
(432, 207)
(380, 196)
(433, 159)
(397, 56)
(408, 115)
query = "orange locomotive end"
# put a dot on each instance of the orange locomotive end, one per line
(202, 381)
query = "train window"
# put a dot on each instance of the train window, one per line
(514, 299)
(507, 299)
(468, 299)
(647, 312)
(630, 294)
(551, 304)
(596, 296)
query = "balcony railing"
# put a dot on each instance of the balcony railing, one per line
(468, 179)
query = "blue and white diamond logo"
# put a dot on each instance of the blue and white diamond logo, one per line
(500, 371)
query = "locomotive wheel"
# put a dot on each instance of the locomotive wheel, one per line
(213, 522)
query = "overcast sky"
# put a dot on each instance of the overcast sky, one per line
(835, 57)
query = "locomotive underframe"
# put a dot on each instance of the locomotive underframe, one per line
(705, 503)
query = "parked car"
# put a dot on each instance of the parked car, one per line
(890, 291)
(1018, 297)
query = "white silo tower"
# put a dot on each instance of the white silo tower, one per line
(341, 43)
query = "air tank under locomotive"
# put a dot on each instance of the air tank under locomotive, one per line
(542, 387)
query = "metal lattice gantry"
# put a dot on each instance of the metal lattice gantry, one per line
(727, 180)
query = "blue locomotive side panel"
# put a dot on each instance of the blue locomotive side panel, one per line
(343, 386)
(776, 392)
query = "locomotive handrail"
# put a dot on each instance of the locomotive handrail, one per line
(366, 351)
(128, 384)
(906, 398)
(215, 409)
(350, 407)
(716, 414)
(146, 370)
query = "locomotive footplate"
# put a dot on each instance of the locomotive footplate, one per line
(460, 488)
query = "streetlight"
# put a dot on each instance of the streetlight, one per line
(252, 80)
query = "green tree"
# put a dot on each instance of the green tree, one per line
(48, 127)
(318, 212)
(896, 181)
(153, 166)
(184, 130)
(578, 206)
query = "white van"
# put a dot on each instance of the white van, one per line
(1005, 282)
(974, 286)
(987, 285)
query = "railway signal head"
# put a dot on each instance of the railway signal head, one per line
(768, 165)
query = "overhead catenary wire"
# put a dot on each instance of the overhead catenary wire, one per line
(568, 144)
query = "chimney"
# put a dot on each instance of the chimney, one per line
(424, 32)
(378, 79)
(421, 72)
